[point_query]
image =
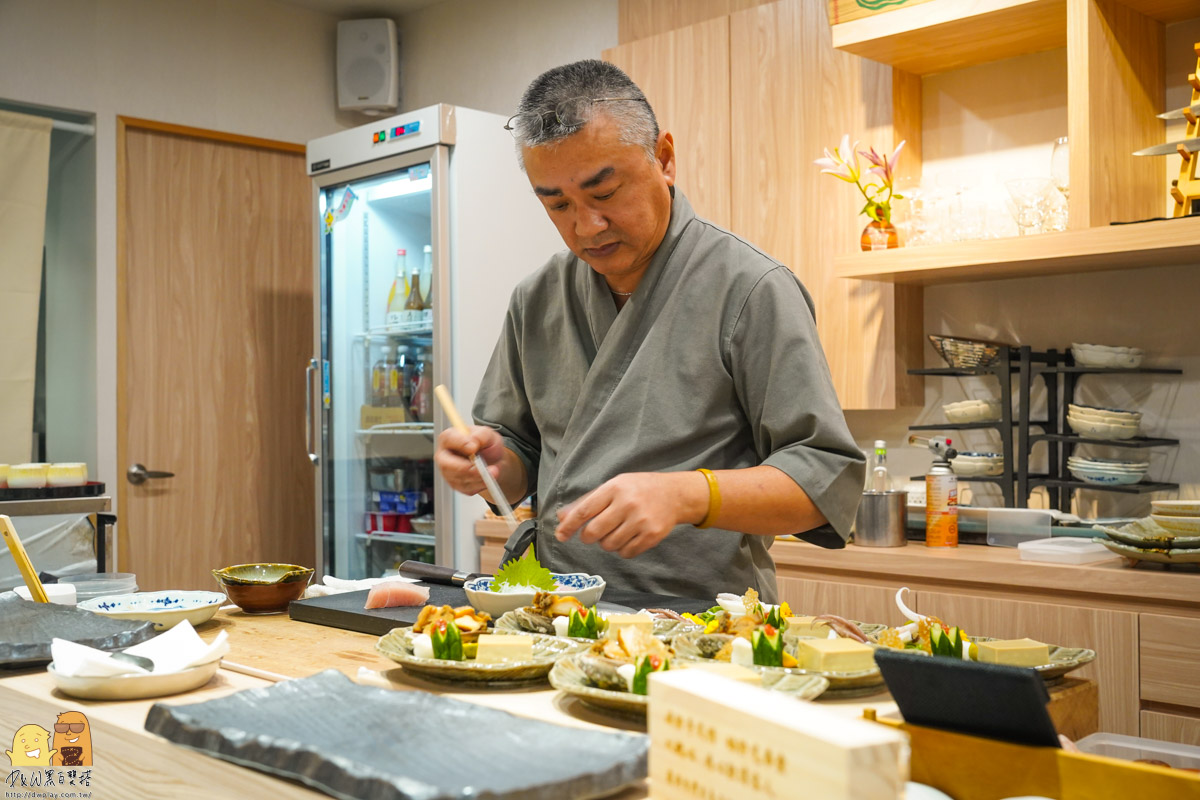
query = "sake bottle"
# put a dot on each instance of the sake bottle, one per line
(427, 278)
(399, 292)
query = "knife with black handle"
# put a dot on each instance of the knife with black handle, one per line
(434, 573)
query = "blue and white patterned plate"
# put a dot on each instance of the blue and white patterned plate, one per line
(583, 587)
(164, 609)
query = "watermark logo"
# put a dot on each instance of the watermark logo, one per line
(46, 765)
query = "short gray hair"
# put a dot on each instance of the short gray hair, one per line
(536, 122)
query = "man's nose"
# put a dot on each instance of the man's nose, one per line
(590, 222)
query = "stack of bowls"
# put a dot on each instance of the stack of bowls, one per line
(963, 353)
(975, 465)
(969, 411)
(1107, 471)
(1098, 355)
(1103, 423)
(1177, 517)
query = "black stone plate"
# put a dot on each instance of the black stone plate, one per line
(27, 628)
(353, 741)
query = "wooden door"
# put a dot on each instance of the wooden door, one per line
(214, 330)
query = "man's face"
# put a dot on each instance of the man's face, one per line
(610, 203)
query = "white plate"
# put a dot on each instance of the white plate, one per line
(135, 687)
(1176, 508)
(1188, 526)
(1101, 430)
(165, 609)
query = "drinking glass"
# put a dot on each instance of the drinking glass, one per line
(1029, 201)
(1060, 166)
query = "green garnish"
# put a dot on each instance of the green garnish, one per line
(583, 624)
(447, 642)
(767, 643)
(643, 667)
(525, 571)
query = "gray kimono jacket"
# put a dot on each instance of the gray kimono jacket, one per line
(713, 362)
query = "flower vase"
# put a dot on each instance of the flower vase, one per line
(879, 236)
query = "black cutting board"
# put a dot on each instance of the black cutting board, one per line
(346, 610)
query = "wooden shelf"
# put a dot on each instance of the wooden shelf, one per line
(1148, 244)
(940, 35)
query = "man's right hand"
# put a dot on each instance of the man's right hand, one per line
(456, 450)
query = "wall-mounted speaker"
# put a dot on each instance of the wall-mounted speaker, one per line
(368, 66)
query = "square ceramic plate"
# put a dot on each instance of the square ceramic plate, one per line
(568, 677)
(1149, 535)
(1175, 555)
(398, 646)
(1062, 659)
(27, 628)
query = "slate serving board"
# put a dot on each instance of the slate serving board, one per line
(346, 610)
(353, 741)
(27, 628)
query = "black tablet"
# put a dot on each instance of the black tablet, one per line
(997, 702)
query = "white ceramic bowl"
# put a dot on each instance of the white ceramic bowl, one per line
(1098, 355)
(585, 588)
(134, 687)
(1106, 478)
(1102, 430)
(1188, 526)
(1115, 463)
(967, 411)
(1116, 468)
(1176, 508)
(164, 609)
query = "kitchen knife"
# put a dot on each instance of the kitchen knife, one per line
(1178, 113)
(1170, 148)
(435, 573)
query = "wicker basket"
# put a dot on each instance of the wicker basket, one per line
(962, 353)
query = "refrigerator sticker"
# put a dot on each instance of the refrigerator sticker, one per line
(325, 392)
(337, 215)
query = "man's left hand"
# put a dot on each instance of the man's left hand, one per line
(635, 511)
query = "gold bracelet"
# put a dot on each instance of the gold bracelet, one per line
(714, 499)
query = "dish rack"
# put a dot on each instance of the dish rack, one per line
(1058, 371)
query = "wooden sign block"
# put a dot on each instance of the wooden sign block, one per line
(712, 738)
(847, 10)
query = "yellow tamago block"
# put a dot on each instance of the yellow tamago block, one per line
(836, 655)
(1013, 652)
(808, 626)
(495, 648)
(643, 622)
(733, 671)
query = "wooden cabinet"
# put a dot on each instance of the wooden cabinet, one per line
(864, 603)
(1170, 660)
(1171, 727)
(745, 143)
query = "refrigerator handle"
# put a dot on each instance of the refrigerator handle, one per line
(308, 415)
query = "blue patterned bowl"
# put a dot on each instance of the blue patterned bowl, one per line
(164, 609)
(587, 589)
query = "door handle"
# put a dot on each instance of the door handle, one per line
(137, 474)
(308, 415)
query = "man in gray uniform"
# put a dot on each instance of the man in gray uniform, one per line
(660, 385)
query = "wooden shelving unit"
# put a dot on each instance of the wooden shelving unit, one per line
(1149, 244)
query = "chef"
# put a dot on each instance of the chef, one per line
(659, 385)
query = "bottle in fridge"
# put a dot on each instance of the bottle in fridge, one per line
(399, 293)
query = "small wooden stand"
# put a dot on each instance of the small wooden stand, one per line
(1186, 190)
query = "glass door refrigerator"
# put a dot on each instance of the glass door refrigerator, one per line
(423, 226)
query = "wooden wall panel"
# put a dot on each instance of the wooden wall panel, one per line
(862, 603)
(846, 10)
(794, 95)
(685, 75)
(1115, 82)
(1170, 728)
(641, 19)
(1112, 634)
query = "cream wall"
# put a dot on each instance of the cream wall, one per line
(482, 54)
(252, 67)
(1000, 120)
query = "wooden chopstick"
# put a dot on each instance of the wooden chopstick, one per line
(22, 558)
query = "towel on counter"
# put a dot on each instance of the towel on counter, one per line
(175, 650)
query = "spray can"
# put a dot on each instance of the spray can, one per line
(941, 495)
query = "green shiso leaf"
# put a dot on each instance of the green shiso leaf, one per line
(525, 571)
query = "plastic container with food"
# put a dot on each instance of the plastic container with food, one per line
(1134, 748)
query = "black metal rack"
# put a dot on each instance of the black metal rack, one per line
(1058, 372)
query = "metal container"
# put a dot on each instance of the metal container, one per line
(880, 520)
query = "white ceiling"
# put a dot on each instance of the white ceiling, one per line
(362, 9)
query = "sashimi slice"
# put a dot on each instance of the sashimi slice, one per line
(396, 593)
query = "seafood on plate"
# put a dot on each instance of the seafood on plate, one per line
(624, 660)
(448, 633)
(561, 615)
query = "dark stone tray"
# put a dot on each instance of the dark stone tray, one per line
(353, 741)
(27, 628)
(346, 610)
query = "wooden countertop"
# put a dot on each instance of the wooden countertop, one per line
(133, 764)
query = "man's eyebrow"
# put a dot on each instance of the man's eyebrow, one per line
(597, 179)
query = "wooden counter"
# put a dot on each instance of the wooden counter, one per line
(1143, 623)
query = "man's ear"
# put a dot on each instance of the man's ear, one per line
(664, 154)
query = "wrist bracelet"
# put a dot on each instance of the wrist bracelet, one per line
(714, 499)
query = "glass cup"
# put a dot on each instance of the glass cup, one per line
(1029, 203)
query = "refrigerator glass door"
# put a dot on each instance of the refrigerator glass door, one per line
(377, 234)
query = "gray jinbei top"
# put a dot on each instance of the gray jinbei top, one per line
(713, 362)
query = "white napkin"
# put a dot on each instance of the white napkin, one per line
(334, 585)
(173, 651)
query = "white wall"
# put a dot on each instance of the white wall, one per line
(999, 119)
(482, 54)
(252, 67)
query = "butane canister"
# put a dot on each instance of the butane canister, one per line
(941, 506)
